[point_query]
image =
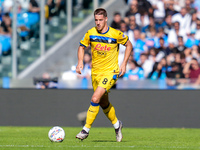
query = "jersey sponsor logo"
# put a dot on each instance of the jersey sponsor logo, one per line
(100, 47)
(101, 54)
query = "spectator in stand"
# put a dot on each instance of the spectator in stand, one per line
(33, 6)
(61, 6)
(161, 34)
(188, 54)
(34, 29)
(135, 72)
(116, 21)
(146, 5)
(128, 66)
(197, 34)
(131, 27)
(138, 45)
(133, 10)
(152, 54)
(142, 18)
(180, 47)
(175, 69)
(147, 28)
(24, 5)
(195, 52)
(146, 64)
(178, 4)
(184, 18)
(191, 39)
(50, 4)
(169, 10)
(189, 8)
(159, 10)
(123, 28)
(151, 40)
(158, 71)
(180, 58)
(6, 25)
(193, 22)
(171, 48)
(132, 24)
(162, 51)
(160, 24)
(175, 32)
(143, 4)
(168, 26)
(175, 74)
(192, 69)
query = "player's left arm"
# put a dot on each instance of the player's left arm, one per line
(128, 50)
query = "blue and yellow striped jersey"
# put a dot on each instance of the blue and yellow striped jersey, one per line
(104, 48)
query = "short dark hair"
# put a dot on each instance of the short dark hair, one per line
(100, 11)
(135, 62)
(161, 38)
(117, 13)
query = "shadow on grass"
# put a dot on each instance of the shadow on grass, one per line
(114, 141)
(103, 141)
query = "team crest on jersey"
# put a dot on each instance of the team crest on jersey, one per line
(109, 41)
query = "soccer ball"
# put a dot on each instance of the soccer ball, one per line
(56, 134)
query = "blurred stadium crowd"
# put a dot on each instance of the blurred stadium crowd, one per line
(27, 20)
(165, 35)
(166, 41)
(28, 28)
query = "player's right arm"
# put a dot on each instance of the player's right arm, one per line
(79, 66)
(83, 44)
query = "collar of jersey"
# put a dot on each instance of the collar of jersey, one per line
(106, 31)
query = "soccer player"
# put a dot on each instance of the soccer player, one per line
(104, 42)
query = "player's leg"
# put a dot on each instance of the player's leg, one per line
(109, 111)
(108, 108)
(94, 107)
(91, 113)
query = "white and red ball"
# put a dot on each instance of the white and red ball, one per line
(56, 134)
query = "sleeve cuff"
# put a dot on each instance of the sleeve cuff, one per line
(82, 45)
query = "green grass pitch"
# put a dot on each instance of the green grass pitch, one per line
(36, 138)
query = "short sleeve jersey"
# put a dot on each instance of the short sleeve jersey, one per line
(104, 48)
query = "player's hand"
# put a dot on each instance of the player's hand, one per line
(79, 67)
(122, 70)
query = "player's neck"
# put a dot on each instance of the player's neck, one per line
(104, 30)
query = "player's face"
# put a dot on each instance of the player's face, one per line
(101, 23)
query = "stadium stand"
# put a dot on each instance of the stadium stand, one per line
(28, 49)
(155, 29)
(65, 49)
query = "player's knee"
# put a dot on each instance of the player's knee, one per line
(95, 99)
